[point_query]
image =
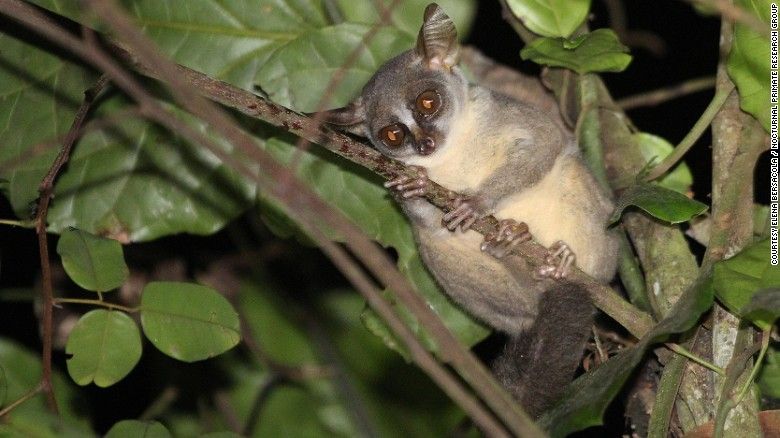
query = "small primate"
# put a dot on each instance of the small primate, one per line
(509, 160)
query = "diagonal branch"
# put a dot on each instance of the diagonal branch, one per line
(258, 107)
(183, 81)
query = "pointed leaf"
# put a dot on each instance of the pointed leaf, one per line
(104, 346)
(94, 263)
(661, 203)
(135, 428)
(187, 321)
(654, 149)
(598, 51)
(738, 279)
(748, 63)
(551, 18)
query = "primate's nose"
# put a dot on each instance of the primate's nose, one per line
(426, 145)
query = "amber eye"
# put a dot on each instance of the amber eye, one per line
(392, 135)
(428, 102)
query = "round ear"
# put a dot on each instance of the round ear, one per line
(351, 114)
(437, 42)
(352, 117)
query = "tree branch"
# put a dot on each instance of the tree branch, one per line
(46, 190)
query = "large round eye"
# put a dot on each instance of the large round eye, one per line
(392, 135)
(428, 102)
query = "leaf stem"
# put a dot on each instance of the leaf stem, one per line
(30, 394)
(111, 306)
(693, 135)
(682, 351)
(765, 337)
(17, 223)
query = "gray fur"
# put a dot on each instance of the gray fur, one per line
(516, 163)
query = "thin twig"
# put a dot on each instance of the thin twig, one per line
(682, 351)
(46, 191)
(765, 337)
(228, 411)
(263, 392)
(735, 369)
(18, 402)
(92, 125)
(160, 404)
(17, 223)
(656, 97)
(735, 13)
(632, 38)
(693, 135)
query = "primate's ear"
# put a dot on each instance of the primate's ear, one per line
(351, 118)
(437, 42)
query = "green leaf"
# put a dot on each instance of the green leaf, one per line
(3, 387)
(358, 194)
(366, 368)
(551, 18)
(764, 307)
(221, 434)
(407, 16)
(236, 41)
(133, 181)
(748, 63)
(769, 378)
(227, 40)
(271, 320)
(94, 263)
(135, 428)
(598, 51)
(739, 278)
(654, 149)
(661, 203)
(105, 346)
(22, 373)
(188, 322)
(587, 398)
(467, 330)
(297, 74)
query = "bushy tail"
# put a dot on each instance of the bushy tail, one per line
(537, 365)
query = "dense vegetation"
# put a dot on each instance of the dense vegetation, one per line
(190, 282)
